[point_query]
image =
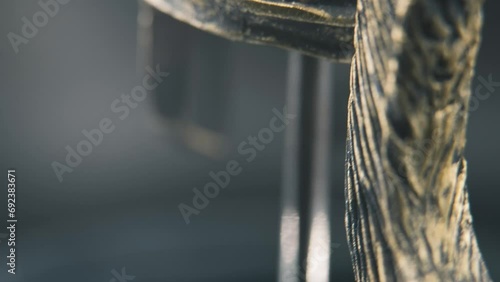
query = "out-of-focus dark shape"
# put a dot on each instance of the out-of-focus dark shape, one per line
(192, 104)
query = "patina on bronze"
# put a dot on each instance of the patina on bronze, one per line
(320, 28)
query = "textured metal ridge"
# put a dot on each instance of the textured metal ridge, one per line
(319, 28)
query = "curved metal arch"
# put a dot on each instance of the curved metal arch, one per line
(319, 28)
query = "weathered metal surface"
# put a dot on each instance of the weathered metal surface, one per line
(320, 28)
(408, 215)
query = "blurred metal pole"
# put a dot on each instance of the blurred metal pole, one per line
(305, 220)
(319, 233)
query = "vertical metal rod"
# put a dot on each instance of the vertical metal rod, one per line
(319, 242)
(305, 219)
(290, 217)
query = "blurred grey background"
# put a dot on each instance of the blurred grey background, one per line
(118, 209)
